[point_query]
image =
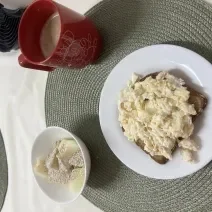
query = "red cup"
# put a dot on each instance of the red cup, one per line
(79, 41)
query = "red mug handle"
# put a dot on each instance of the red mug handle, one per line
(26, 64)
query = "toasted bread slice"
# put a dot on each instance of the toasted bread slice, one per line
(196, 98)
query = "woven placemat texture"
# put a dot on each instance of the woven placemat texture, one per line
(3, 172)
(72, 101)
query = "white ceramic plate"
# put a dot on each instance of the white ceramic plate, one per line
(195, 70)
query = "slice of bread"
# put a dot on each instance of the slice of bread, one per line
(196, 98)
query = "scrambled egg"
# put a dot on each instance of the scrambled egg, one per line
(157, 112)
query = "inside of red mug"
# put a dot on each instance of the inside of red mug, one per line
(30, 28)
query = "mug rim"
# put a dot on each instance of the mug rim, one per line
(21, 22)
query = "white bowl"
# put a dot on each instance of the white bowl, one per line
(42, 146)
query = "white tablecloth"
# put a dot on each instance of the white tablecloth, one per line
(22, 118)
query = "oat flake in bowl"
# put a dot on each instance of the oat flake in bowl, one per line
(61, 164)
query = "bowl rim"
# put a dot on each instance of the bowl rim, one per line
(87, 172)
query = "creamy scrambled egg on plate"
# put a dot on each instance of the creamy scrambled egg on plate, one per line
(157, 112)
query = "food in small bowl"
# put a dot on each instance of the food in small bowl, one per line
(61, 164)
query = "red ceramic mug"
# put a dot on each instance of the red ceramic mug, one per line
(78, 44)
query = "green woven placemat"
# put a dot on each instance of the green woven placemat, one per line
(3, 172)
(72, 100)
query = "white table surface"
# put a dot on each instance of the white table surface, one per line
(21, 119)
